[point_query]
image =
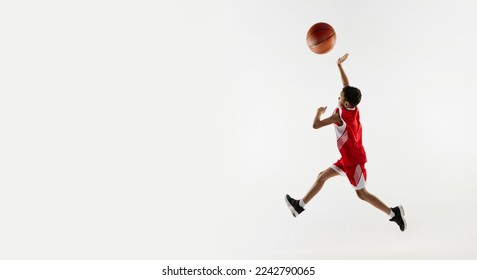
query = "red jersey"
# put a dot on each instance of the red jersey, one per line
(349, 138)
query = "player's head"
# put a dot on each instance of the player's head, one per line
(349, 97)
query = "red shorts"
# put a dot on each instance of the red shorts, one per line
(356, 173)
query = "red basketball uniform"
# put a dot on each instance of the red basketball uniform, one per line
(350, 145)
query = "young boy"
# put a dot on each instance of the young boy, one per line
(353, 156)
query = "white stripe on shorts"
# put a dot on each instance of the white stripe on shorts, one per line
(359, 178)
(337, 169)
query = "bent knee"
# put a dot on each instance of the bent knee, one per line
(322, 178)
(362, 194)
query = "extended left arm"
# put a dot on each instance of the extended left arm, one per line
(319, 123)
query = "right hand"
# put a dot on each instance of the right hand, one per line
(342, 59)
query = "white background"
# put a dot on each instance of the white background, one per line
(173, 129)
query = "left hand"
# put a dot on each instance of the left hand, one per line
(322, 110)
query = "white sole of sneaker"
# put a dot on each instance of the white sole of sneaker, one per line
(293, 211)
(402, 216)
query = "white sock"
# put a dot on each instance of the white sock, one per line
(391, 213)
(302, 203)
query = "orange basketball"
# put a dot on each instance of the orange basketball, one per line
(321, 38)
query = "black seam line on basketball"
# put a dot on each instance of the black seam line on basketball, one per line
(329, 48)
(314, 45)
(321, 29)
(324, 39)
(317, 31)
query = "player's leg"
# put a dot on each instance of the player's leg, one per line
(320, 181)
(297, 206)
(373, 200)
(357, 176)
(396, 213)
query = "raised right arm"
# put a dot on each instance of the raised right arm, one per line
(344, 78)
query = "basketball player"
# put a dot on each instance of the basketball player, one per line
(346, 122)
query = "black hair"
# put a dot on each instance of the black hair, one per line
(352, 95)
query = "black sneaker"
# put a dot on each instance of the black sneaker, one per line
(399, 217)
(294, 205)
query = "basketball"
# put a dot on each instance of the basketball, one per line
(321, 38)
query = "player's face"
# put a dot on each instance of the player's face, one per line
(341, 99)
